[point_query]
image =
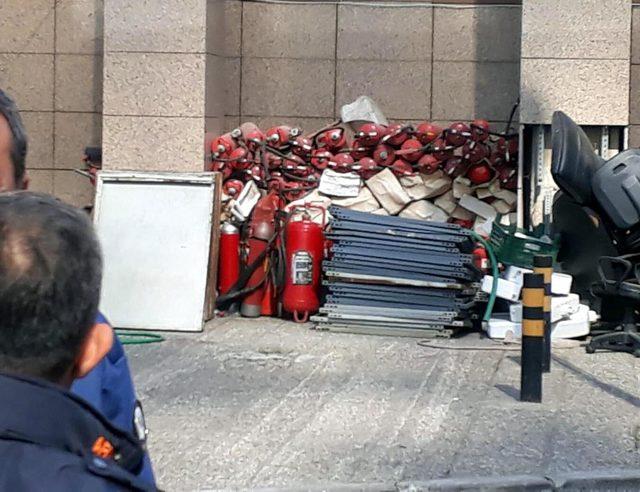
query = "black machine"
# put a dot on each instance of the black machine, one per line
(597, 214)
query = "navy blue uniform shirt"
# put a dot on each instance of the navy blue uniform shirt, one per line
(109, 389)
(51, 440)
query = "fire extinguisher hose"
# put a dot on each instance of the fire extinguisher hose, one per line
(494, 271)
(136, 338)
(238, 289)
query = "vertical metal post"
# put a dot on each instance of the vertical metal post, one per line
(604, 143)
(532, 338)
(539, 155)
(543, 265)
(521, 192)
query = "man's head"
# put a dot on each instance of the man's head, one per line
(13, 146)
(50, 275)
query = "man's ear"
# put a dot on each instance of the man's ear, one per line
(96, 346)
(25, 181)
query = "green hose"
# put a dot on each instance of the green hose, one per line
(137, 338)
(494, 272)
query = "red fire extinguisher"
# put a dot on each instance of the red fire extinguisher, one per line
(229, 260)
(304, 249)
(261, 232)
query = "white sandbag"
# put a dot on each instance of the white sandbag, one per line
(478, 207)
(502, 207)
(436, 183)
(447, 202)
(388, 191)
(364, 202)
(462, 214)
(461, 187)
(424, 210)
(414, 186)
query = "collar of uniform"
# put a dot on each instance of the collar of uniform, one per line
(44, 414)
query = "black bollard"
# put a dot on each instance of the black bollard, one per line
(543, 264)
(532, 338)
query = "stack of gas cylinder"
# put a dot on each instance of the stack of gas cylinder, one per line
(285, 160)
(271, 257)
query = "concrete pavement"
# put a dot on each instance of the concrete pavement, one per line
(264, 403)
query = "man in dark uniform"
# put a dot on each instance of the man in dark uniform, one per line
(109, 387)
(50, 276)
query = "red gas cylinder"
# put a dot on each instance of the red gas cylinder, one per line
(304, 249)
(223, 145)
(458, 133)
(229, 260)
(401, 168)
(441, 150)
(252, 135)
(480, 130)
(480, 258)
(302, 146)
(384, 155)
(479, 174)
(255, 172)
(342, 163)
(273, 161)
(396, 135)
(370, 134)
(279, 136)
(320, 158)
(366, 167)
(475, 151)
(455, 167)
(261, 230)
(428, 164)
(240, 159)
(427, 132)
(359, 149)
(232, 187)
(413, 149)
(222, 167)
(333, 139)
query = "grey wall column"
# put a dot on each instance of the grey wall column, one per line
(162, 88)
(575, 58)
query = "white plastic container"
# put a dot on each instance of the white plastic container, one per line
(578, 325)
(561, 308)
(561, 283)
(506, 290)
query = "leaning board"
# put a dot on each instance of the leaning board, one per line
(155, 230)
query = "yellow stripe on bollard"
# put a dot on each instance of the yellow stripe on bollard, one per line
(533, 297)
(533, 327)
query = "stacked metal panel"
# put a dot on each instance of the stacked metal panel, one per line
(395, 276)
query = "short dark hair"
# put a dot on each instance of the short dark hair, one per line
(50, 275)
(9, 110)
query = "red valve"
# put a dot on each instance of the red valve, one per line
(441, 150)
(415, 146)
(367, 167)
(455, 167)
(458, 133)
(233, 187)
(320, 158)
(302, 146)
(396, 135)
(427, 132)
(401, 168)
(370, 134)
(480, 130)
(479, 174)
(333, 139)
(384, 155)
(342, 162)
(428, 164)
